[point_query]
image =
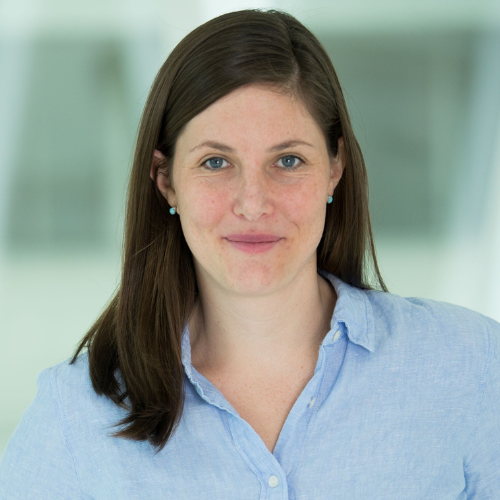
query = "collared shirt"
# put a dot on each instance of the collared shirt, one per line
(404, 404)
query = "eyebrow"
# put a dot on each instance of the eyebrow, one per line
(228, 149)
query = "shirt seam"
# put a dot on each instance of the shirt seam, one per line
(54, 389)
(479, 404)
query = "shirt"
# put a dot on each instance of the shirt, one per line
(404, 404)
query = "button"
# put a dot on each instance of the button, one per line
(273, 481)
(337, 335)
(311, 402)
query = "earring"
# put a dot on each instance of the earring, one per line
(172, 210)
(330, 199)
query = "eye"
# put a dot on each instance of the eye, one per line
(290, 162)
(214, 163)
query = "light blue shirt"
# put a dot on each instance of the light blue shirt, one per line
(404, 404)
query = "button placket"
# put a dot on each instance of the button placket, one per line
(258, 458)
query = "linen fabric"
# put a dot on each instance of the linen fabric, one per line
(404, 404)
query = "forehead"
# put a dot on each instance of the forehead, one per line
(250, 113)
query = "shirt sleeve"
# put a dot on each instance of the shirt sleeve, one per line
(482, 468)
(37, 463)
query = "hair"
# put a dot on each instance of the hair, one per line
(134, 347)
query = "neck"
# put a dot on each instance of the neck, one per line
(279, 331)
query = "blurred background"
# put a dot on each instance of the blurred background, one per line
(422, 82)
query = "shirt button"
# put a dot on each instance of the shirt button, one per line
(273, 481)
(337, 335)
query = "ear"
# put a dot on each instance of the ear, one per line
(159, 160)
(159, 175)
(337, 165)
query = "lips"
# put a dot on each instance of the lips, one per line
(253, 238)
(253, 243)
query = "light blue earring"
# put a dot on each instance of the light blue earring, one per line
(330, 199)
(172, 210)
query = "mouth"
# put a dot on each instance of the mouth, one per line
(253, 238)
(253, 243)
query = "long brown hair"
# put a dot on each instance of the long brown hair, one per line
(134, 347)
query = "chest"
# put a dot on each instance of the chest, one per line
(364, 439)
(266, 414)
(263, 403)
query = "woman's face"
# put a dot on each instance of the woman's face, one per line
(253, 164)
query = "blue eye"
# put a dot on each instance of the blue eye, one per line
(214, 163)
(290, 162)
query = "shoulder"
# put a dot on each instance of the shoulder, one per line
(75, 396)
(66, 381)
(62, 383)
(434, 325)
(67, 377)
(39, 449)
(422, 312)
(66, 398)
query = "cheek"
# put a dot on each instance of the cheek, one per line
(205, 207)
(305, 208)
(201, 223)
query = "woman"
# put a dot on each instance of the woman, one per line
(245, 354)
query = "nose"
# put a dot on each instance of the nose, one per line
(254, 194)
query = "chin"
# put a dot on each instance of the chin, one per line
(254, 279)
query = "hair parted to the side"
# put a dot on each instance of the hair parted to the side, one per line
(135, 346)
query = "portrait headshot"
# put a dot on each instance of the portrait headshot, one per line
(251, 344)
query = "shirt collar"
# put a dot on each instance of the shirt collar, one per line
(352, 310)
